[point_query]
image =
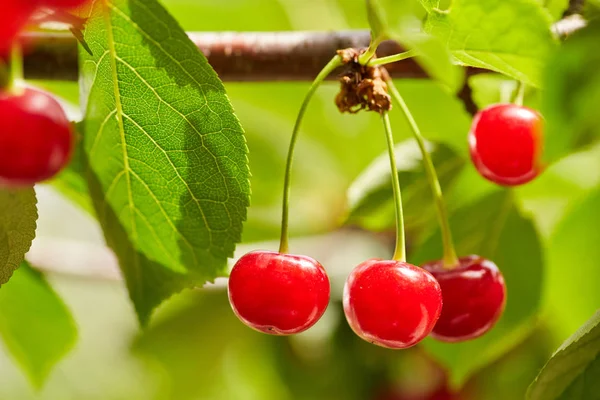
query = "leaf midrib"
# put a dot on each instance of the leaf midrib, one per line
(119, 114)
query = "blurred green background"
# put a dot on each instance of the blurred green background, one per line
(196, 349)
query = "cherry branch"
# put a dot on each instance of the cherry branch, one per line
(246, 56)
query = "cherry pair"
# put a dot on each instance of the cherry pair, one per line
(36, 138)
(396, 304)
(389, 303)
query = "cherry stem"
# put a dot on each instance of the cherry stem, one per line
(15, 78)
(334, 63)
(366, 57)
(450, 260)
(519, 94)
(390, 59)
(400, 251)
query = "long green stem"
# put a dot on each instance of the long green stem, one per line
(393, 58)
(331, 65)
(519, 94)
(16, 69)
(400, 251)
(450, 259)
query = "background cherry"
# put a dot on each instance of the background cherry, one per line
(278, 293)
(391, 303)
(35, 137)
(505, 143)
(14, 16)
(474, 297)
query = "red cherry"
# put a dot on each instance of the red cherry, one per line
(14, 15)
(35, 137)
(391, 303)
(474, 297)
(276, 293)
(505, 143)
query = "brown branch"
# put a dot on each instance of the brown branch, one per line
(243, 56)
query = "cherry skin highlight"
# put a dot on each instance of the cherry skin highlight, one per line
(505, 142)
(279, 294)
(391, 303)
(36, 138)
(474, 297)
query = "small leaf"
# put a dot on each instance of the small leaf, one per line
(36, 326)
(166, 153)
(396, 20)
(433, 56)
(377, 19)
(556, 8)
(493, 228)
(508, 36)
(572, 372)
(370, 197)
(430, 5)
(18, 216)
(572, 92)
(385, 15)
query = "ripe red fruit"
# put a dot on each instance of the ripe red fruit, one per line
(35, 137)
(276, 293)
(14, 16)
(474, 297)
(505, 143)
(391, 303)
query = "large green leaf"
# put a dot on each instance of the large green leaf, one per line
(494, 228)
(370, 197)
(37, 328)
(18, 216)
(215, 343)
(571, 291)
(572, 372)
(572, 93)
(508, 36)
(166, 154)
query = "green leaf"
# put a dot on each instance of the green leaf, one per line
(386, 15)
(397, 20)
(512, 37)
(556, 8)
(572, 85)
(377, 19)
(370, 197)
(433, 56)
(36, 326)
(18, 216)
(571, 290)
(430, 5)
(166, 153)
(494, 228)
(572, 372)
(217, 341)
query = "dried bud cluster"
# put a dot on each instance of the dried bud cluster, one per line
(362, 87)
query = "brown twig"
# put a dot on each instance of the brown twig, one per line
(245, 56)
